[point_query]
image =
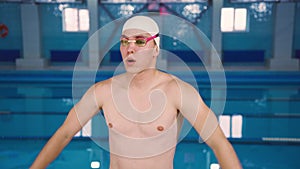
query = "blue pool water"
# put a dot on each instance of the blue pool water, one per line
(34, 104)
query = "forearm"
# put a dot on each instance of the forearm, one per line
(227, 157)
(51, 150)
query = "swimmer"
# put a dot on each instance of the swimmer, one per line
(143, 109)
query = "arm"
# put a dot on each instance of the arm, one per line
(76, 119)
(206, 124)
(58, 141)
(223, 150)
(212, 134)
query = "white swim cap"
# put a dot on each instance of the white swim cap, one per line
(144, 23)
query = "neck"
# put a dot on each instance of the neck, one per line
(143, 79)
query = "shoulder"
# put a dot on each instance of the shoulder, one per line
(103, 87)
(179, 89)
(103, 84)
(175, 84)
(175, 87)
(167, 80)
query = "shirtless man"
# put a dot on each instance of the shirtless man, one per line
(142, 109)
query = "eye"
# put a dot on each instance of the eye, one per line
(124, 42)
(140, 42)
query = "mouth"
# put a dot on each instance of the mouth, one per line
(130, 61)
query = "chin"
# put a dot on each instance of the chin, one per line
(133, 70)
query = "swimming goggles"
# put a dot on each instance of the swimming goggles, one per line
(140, 41)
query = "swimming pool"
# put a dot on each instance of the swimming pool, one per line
(33, 105)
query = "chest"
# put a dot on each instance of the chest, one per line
(140, 116)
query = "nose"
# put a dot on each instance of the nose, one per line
(131, 48)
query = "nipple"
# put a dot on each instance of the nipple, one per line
(110, 125)
(160, 128)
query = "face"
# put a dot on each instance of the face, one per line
(138, 58)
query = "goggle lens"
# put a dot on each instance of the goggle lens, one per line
(138, 42)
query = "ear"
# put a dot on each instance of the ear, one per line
(156, 51)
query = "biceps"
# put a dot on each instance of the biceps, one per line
(190, 102)
(71, 125)
(206, 124)
(197, 112)
(87, 107)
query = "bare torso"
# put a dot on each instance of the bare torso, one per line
(145, 142)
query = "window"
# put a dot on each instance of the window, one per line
(236, 126)
(231, 125)
(95, 164)
(86, 130)
(214, 166)
(75, 20)
(225, 124)
(234, 20)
